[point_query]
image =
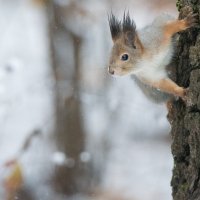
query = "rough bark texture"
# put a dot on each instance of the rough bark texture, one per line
(185, 119)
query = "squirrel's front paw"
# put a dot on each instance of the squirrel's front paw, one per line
(180, 92)
(183, 93)
(186, 97)
(191, 20)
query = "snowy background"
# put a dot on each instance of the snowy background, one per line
(127, 136)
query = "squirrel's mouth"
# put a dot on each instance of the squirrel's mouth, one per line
(120, 71)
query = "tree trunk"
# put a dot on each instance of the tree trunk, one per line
(186, 118)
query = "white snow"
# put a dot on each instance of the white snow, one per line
(59, 158)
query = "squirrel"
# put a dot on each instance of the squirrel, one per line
(144, 54)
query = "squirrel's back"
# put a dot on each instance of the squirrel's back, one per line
(152, 34)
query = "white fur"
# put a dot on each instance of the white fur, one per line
(153, 68)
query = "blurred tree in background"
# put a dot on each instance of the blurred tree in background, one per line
(70, 137)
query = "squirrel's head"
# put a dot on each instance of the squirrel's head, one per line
(127, 48)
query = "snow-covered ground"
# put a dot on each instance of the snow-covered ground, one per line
(138, 160)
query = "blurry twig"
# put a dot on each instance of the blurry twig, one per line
(24, 147)
(14, 181)
(28, 141)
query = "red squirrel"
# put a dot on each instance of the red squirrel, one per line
(145, 53)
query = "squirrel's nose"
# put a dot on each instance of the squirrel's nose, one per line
(111, 71)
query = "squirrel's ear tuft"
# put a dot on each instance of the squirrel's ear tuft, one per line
(115, 27)
(129, 29)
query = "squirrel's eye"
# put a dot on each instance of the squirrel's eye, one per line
(124, 57)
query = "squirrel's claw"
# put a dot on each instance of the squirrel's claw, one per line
(191, 20)
(186, 97)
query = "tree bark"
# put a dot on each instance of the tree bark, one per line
(185, 119)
